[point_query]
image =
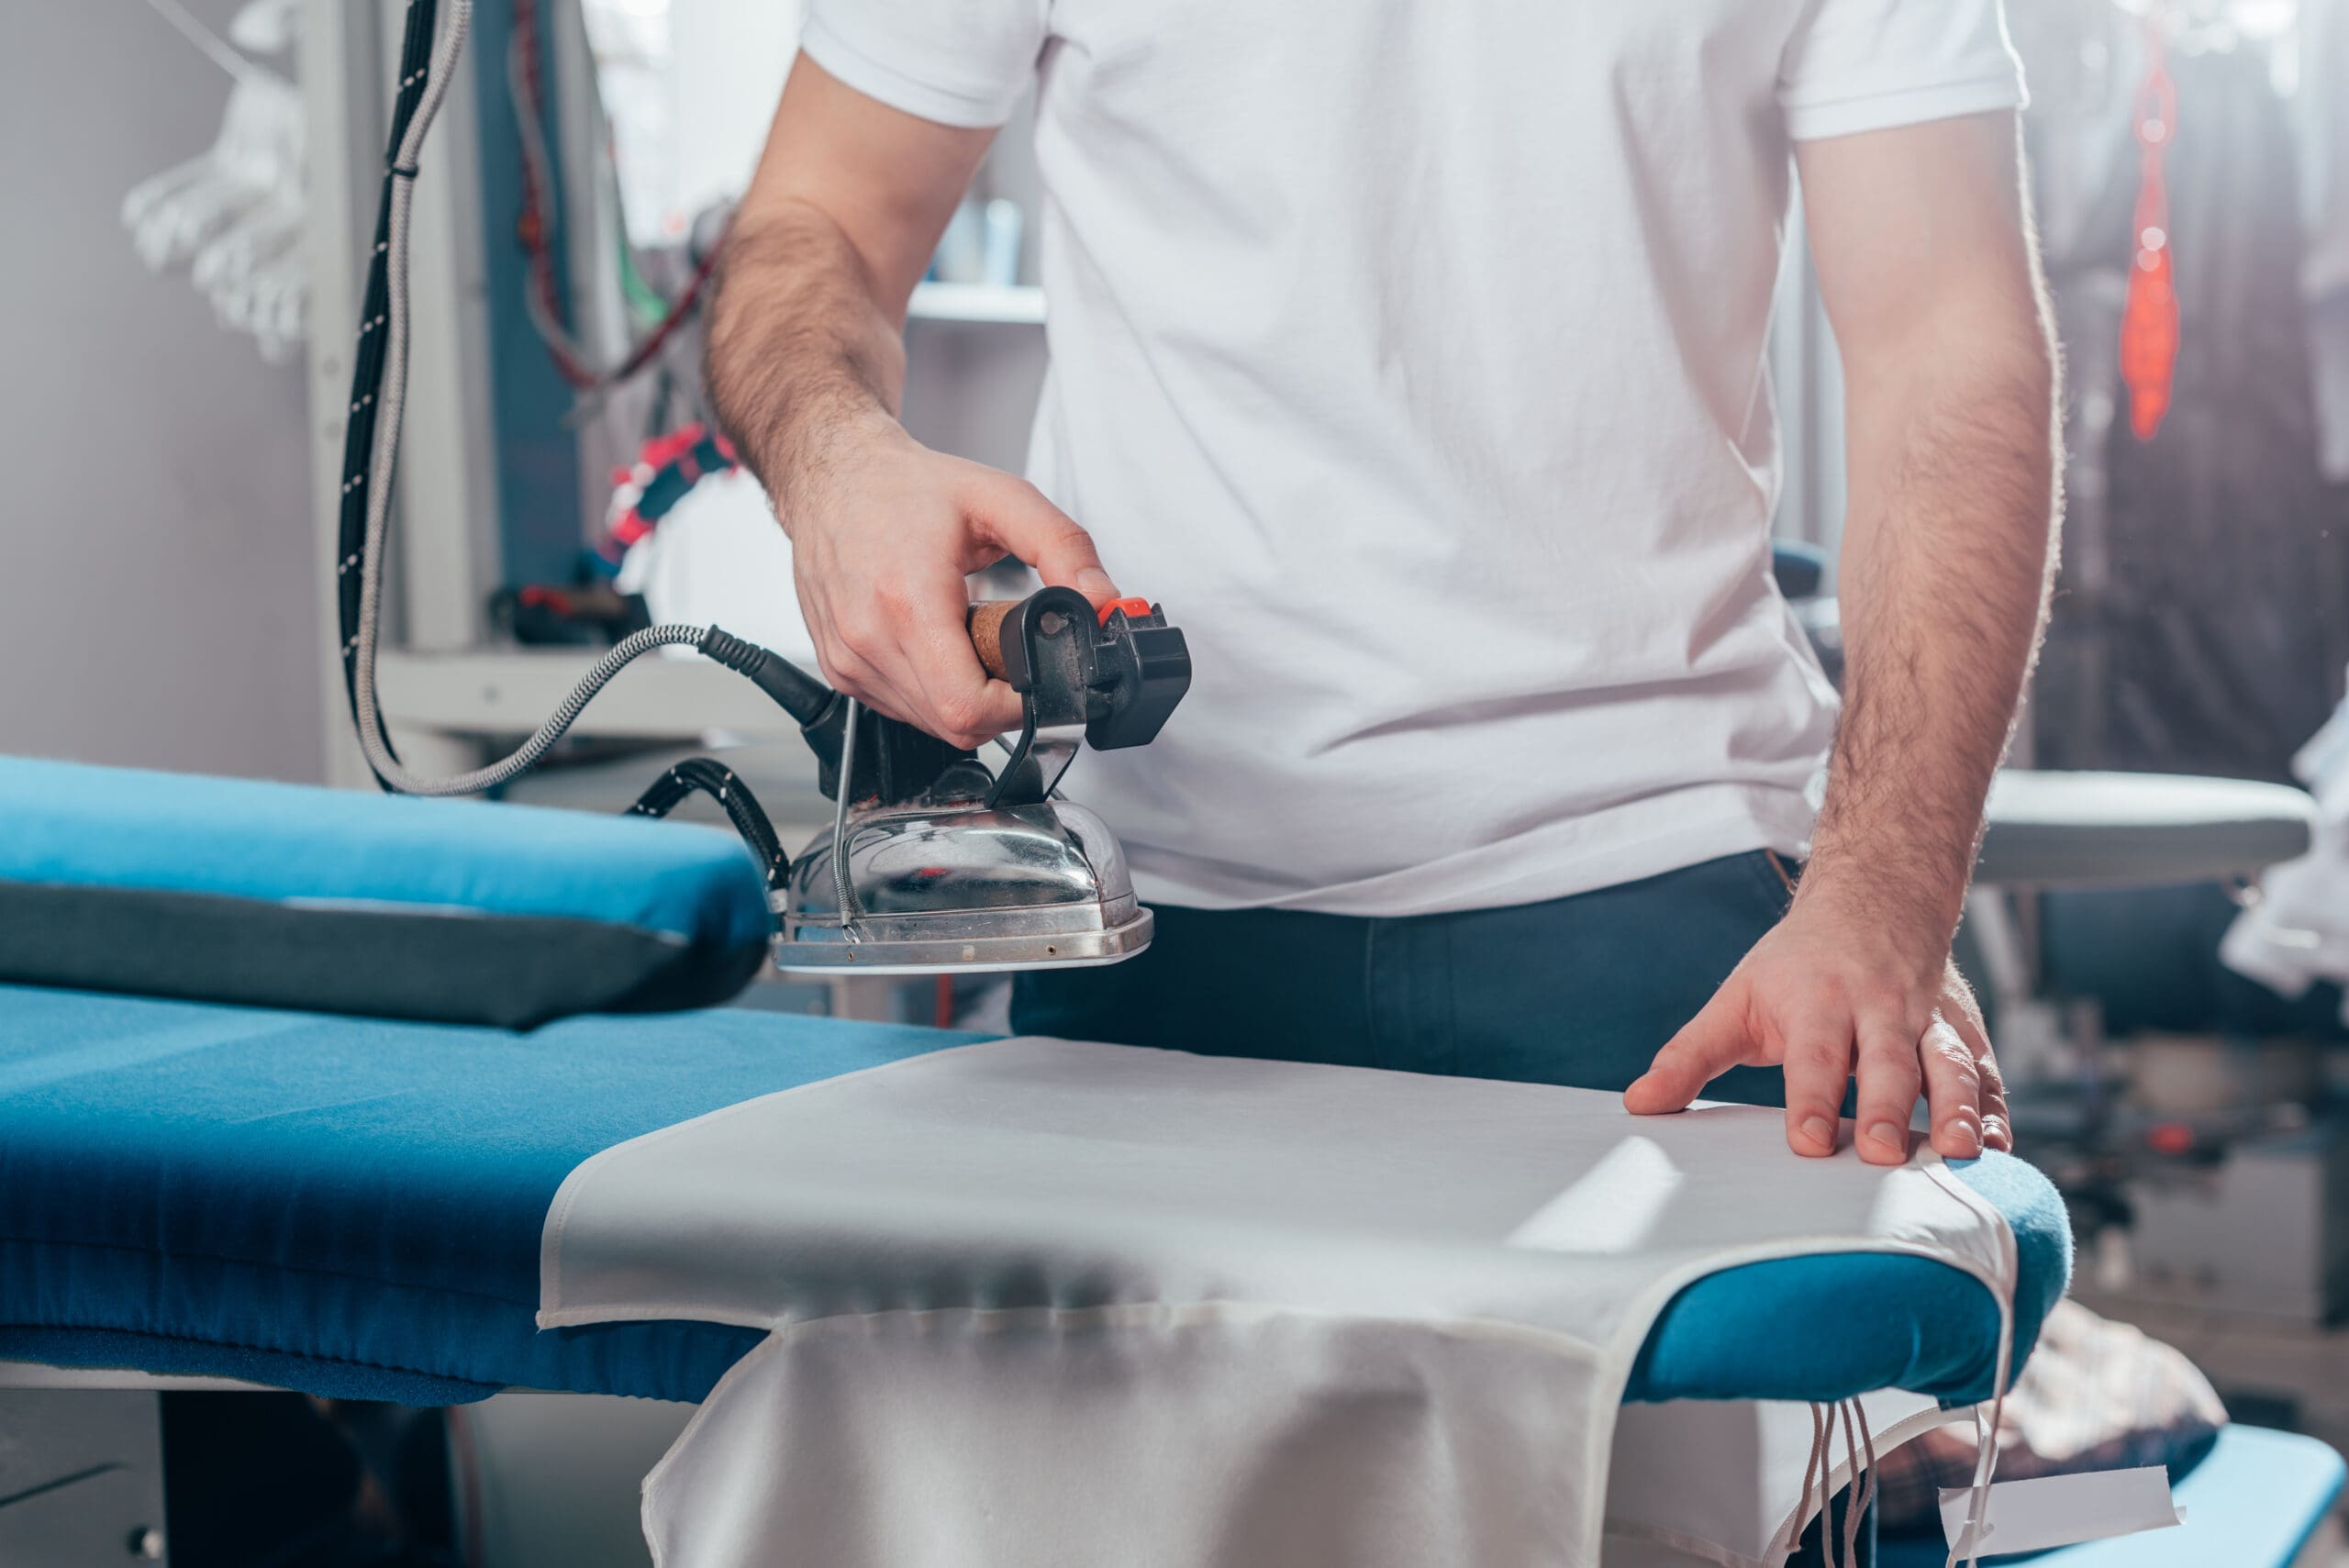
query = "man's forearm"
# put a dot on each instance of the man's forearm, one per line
(1948, 556)
(799, 346)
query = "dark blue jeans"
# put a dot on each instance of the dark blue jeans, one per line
(1580, 991)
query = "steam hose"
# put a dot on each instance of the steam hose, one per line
(378, 400)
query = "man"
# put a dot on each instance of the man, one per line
(1412, 355)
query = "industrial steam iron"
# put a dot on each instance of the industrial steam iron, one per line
(935, 861)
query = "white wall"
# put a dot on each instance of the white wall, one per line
(730, 59)
(156, 606)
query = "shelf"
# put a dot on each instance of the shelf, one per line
(986, 304)
(510, 691)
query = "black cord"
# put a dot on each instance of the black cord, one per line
(367, 359)
(708, 776)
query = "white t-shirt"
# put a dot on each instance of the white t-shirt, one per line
(1411, 353)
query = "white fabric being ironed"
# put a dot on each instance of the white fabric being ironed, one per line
(1037, 1303)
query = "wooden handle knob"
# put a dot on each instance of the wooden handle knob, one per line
(985, 622)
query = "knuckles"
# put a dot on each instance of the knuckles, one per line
(1957, 1061)
(965, 722)
(862, 634)
(890, 606)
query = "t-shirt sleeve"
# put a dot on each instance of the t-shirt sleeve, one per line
(960, 62)
(1855, 65)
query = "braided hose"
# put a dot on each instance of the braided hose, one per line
(383, 462)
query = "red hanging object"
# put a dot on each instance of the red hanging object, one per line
(2149, 320)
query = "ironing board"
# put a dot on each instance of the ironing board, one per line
(353, 1207)
(350, 1204)
(2096, 829)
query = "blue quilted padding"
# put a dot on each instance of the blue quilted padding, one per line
(1832, 1326)
(353, 1208)
(72, 825)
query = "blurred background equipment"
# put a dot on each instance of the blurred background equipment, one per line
(2190, 167)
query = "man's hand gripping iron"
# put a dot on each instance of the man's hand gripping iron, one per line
(932, 863)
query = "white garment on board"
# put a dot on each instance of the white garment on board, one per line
(1041, 1304)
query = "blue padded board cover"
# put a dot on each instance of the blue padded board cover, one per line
(353, 1207)
(283, 895)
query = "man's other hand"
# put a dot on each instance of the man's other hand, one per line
(1828, 989)
(883, 531)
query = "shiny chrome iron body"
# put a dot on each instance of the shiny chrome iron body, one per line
(961, 884)
(962, 888)
(933, 862)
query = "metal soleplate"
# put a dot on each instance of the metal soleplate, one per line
(969, 955)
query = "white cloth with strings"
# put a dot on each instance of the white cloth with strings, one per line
(1035, 1302)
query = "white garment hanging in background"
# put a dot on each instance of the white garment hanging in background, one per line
(1039, 1302)
(2296, 931)
(235, 214)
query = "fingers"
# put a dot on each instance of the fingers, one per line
(1818, 1064)
(1015, 515)
(1952, 1090)
(901, 648)
(960, 704)
(1709, 1044)
(1997, 1123)
(1889, 1081)
(1967, 1020)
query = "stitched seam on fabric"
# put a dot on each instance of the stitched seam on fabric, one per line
(826, 35)
(558, 1221)
(2009, 1258)
(257, 1350)
(355, 904)
(301, 1271)
(1689, 1545)
(1775, 900)
(714, 1400)
(1926, 88)
(1121, 1315)
(2003, 1375)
